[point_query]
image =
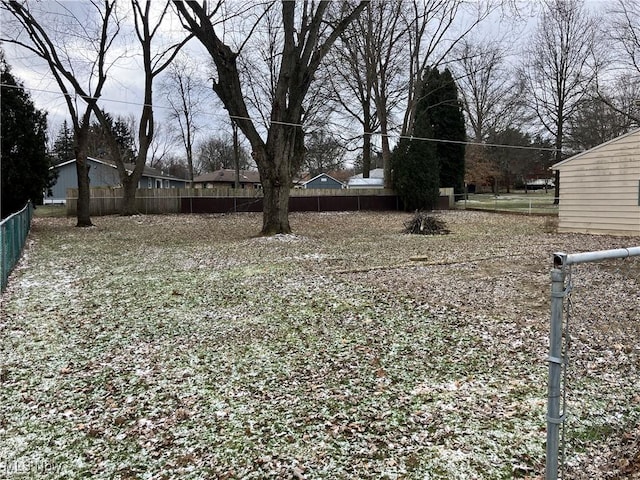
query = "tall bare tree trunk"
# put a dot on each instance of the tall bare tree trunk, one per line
(153, 64)
(81, 138)
(558, 155)
(366, 153)
(129, 206)
(278, 161)
(307, 36)
(236, 154)
(557, 72)
(275, 213)
(55, 52)
(386, 152)
(84, 192)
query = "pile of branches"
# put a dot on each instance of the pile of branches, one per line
(424, 223)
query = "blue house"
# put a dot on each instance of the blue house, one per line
(103, 173)
(323, 181)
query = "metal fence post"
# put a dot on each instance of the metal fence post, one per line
(554, 420)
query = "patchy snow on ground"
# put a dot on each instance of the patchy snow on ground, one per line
(187, 347)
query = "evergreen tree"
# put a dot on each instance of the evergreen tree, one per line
(447, 121)
(63, 145)
(415, 165)
(24, 162)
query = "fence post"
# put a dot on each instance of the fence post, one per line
(554, 420)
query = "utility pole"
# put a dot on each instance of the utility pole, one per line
(236, 152)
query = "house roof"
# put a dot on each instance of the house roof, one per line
(597, 147)
(375, 173)
(147, 172)
(322, 175)
(152, 172)
(225, 175)
(73, 160)
(365, 182)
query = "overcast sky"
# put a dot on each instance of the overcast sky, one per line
(123, 92)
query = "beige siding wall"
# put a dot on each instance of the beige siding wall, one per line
(599, 189)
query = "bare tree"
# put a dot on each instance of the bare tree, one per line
(173, 165)
(325, 153)
(596, 121)
(76, 76)
(307, 30)
(389, 31)
(153, 64)
(356, 68)
(352, 84)
(435, 27)
(491, 96)
(490, 92)
(623, 29)
(161, 146)
(404, 39)
(187, 99)
(220, 151)
(557, 72)
(260, 77)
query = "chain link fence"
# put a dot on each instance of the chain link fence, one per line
(532, 203)
(594, 364)
(13, 235)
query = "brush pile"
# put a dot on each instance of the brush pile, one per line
(425, 223)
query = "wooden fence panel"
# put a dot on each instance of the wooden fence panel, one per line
(108, 201)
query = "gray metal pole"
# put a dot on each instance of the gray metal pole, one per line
(562, 259)
(558, 292)
(554, 420)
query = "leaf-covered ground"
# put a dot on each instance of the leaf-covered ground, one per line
(168, 347)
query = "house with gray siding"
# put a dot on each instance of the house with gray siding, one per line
(323, 181)
(103, 173)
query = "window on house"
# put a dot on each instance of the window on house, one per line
(158, 183)
(149, 183)
(323, 179)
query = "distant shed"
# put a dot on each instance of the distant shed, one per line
(600, 188)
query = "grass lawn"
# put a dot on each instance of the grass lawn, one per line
(185, 347)
(535, 202)
(51, 210)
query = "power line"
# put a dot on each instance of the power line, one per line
(461, 142)
(276, 122)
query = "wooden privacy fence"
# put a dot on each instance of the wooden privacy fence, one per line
(108, 201)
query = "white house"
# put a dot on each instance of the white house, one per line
(600, 188)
